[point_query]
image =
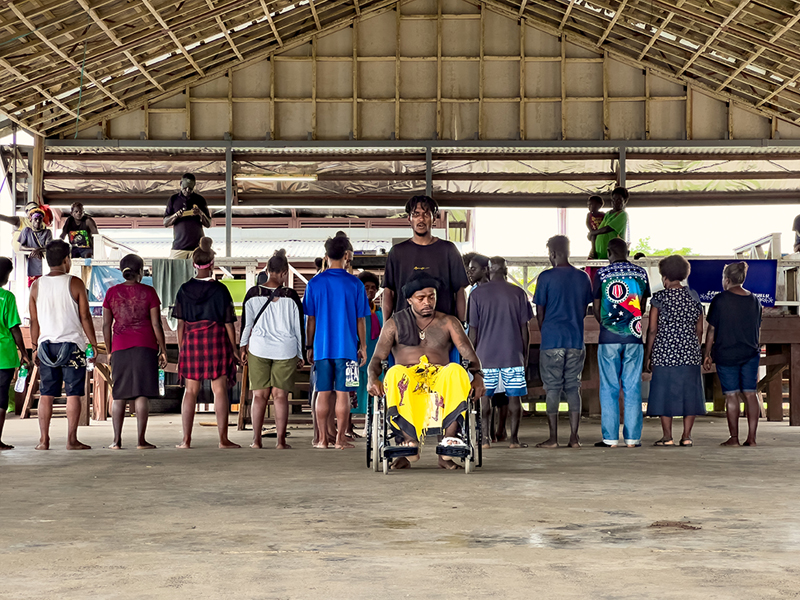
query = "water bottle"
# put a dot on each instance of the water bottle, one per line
(161, 386)
(89, 358)
(21, 377)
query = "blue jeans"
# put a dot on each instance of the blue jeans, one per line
(621, 363)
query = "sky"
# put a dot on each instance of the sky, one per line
(713, 231)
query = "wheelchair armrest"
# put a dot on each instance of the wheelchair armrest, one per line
(384, 366)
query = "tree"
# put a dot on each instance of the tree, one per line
(644, 247)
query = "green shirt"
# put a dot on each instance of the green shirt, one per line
(9, 317)
(618, 222)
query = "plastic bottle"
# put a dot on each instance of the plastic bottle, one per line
(161, 386)
(89, 357)
(21, 377)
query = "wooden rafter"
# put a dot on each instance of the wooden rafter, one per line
(224, 31)
(522, 7)
(6, 65)
(714, 35)
(753, 57)
(61, 53)
(566, 15)
(113, 37)
(173, 37)
(314, 12)
(265, 8)
(614, 19)
(657, 33)
(357, 7)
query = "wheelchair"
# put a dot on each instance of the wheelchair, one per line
(383, 437)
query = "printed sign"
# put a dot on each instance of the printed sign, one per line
(762, 278)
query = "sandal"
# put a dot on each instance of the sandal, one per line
(687, 442)
(663, 442)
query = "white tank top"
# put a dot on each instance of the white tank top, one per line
(59, 319)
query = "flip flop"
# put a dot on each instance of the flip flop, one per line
(687, 443)
(665, 443)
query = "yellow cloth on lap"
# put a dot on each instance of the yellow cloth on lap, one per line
(426, 397)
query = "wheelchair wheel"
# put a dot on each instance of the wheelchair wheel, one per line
(376, 437)
(370, 429)
(472, 440)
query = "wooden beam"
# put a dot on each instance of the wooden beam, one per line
(398, 4)
(563, 87)
(224, 31)
(63, 55)
(173, 37)
(113, 37)
(522, 106)
(357, 7)
(355, 78)
(522, 7)
(613, 22)
(566, 15)
(271, 23)
(314, 12)
(6, 65)
(482, 73)
(37, 169)
(439, 110)
(659, 31)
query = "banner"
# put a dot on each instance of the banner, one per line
(762, 278)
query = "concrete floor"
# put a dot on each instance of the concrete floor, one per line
(306, 523)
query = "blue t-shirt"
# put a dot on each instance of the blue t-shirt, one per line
(564, 292)
(337, 300)
(622, 289)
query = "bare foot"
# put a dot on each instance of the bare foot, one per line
(448, 464)
(487, 446)
(283, 446)
(184, 445)
(257, 445)
(321, 446)
(749, 443)
(731, 442)
(517, 444)
(78, 446)
(6, 446)
(548, 443)
(115, 446)
(145, 445)
(574, 444)
(415, 457)
(401, 463)
(227, 444)
(344, 445)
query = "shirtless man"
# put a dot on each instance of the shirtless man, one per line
(424, 390)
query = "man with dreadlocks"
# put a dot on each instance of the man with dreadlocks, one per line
(424, 390)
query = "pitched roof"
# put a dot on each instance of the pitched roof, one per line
(87, 60)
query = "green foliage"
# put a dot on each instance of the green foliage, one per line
(644, 246)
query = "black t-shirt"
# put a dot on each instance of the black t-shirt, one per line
(200, 300)
(440, 259)
(499, 310)
(796, 229)
(188, 229)
(79, 232)
(737, 323)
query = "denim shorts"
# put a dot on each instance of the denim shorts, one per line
(739, 378)
(331, 375)
(72, 374)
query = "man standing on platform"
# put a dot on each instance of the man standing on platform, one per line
(498, 328)
(187, 213)
(80, 228)
(424, 252)
(620, 298)
(33, 241)
(562, 295)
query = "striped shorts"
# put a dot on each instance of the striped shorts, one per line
(512, 380)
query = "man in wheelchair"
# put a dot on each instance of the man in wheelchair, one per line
(424, 390)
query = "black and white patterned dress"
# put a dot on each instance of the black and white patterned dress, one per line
(677, 386)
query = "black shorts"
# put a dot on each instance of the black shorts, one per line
(6, 375)
(499, 399)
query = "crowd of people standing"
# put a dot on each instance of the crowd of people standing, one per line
(425, 322)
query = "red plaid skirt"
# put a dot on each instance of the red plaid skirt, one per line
(206, 352)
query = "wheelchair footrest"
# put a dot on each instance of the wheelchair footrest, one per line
(454, 451)
(398, 451)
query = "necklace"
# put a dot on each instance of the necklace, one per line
(422, 331)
